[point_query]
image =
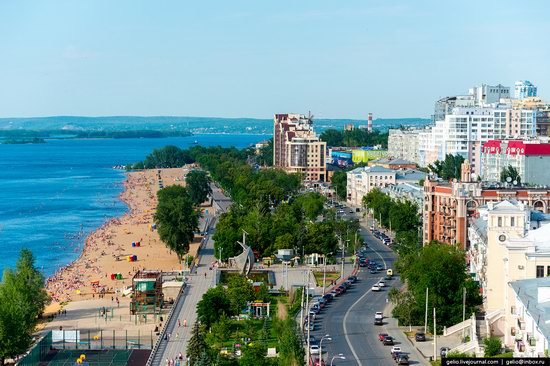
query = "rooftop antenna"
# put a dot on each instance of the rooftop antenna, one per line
(310, 117)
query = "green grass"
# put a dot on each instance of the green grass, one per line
(260, 276)
(329, 277)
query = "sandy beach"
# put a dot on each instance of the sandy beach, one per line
(106, 250)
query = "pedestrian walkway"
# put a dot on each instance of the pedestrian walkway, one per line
(177, 334)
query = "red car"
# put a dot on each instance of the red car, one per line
(381, 336)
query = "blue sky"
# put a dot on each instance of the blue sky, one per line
(339, 59)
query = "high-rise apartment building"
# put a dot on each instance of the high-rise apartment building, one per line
(297, 149)
(524, 89)
(403, 144)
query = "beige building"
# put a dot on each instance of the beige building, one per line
(403, 144)
(297, 149)
(361, 181)
(508, 242)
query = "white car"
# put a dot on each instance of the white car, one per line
(395, 349)
(379, 313)
(382, 284)
(375, 288)
(314, 349)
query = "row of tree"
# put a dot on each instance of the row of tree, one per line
(355, 137)
(22, 301)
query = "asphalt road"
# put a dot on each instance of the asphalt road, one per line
(349, 318)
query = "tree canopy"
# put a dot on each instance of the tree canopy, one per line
(167, 157)
(198, 185)
(441, 269)
(448, 168)
(213, 305)
(355, 137)
(22, 299)
(510, 172)
(177, 219)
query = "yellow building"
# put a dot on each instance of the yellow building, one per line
(363, 156)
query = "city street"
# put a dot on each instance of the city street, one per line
(349, 318)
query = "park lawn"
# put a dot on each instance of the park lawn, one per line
(329, 277)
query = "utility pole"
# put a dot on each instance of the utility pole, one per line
(324, 273)
(309, 321)
(343, 254)
(426, 314)
(302, 304)
(435, 339)
(463, 311)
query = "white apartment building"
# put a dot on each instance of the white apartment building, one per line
(530, 317)
(524, 89)
(487, 94)
(360, 181)
(508, 242)
(403, 144)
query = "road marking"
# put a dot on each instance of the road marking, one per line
(351, 307)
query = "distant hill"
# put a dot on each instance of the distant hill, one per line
(193, 124)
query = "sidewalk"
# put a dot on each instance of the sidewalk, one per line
(408, 345)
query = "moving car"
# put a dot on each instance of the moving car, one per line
(373, 271)
(402, 359)
(381, 283)
(420, 337)
(375, 288)
(381, 336)
(378, 318)
(379, 267)
(388, 341)
(395, 349)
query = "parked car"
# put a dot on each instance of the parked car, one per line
(312, 340)
(443, 351)
(328, 296)
(420, 337)
(381, 336)
(314, 349)
(362, 264)
(334, 293)
(352, 279)
(381, 283)
(375, 288)
(310, 326)
(402, 359)
(388, 341)
(316, 361)
(343, 288)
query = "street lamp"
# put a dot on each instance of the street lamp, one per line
(327, 337)
(339, 356)
(325, 272)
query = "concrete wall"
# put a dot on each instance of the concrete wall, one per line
(536, 170)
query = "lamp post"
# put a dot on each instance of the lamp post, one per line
(339, 356)
(325, 272)
(327, 337)
(221, 248)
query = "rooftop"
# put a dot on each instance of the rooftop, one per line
(533, 293)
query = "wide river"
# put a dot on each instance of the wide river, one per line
(53, 195)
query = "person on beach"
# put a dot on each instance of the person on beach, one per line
(179, 323)
(185, 323)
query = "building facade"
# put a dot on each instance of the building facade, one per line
(527, 157)
(449, 205)
(510, 242)
(524, 89)
(403, 144)
(361, 181)
(297, 149)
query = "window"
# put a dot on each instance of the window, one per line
(540, 271)
(547, 271)
(513, 222)
(499, 222)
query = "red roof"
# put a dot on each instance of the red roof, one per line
(516, 147)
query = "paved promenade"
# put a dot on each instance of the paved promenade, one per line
(177, 334)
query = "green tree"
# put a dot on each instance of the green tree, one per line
(493, 346)
(312, 204)
(198, 185)
(197, 346)
(239, 292)
(332, 137)
(440, 268)
(290, 349)
(254, 354)
(265, 157)
(22, 300)
(449, 168)
(340, 183)
(510, 172)
(404, 306)
(176, 219)
(167, 157)
(213, 305)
